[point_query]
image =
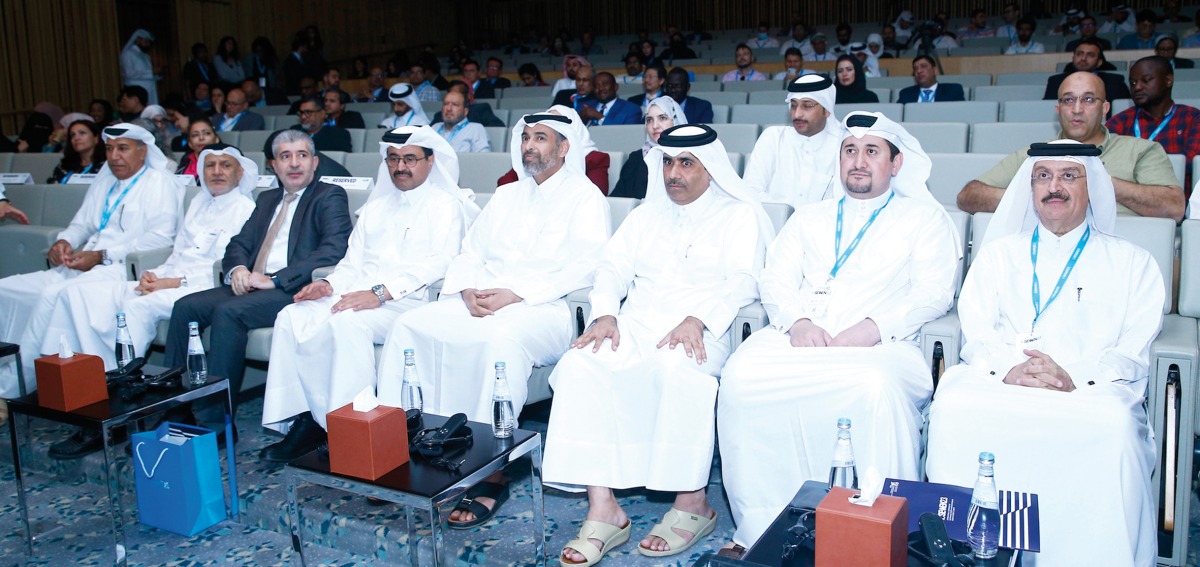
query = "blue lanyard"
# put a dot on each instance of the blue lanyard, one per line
(422, 87)
(843, 256)
(406, 122)
(106, 214)
(455, 131)
(72, 174)
(1038, 308)
(235, 121)
(1137, 128)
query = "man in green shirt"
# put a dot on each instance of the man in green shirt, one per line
(1145, 183)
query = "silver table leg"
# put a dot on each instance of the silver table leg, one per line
(17, 443)
(539, 520)
(414, 552)
(294, 516)
(114, 497)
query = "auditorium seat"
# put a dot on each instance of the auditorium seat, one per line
(720, 114)
(357, 135)
(738, 161)
(1023, 78)
(893, 110)
(365, 164)
(5, 162)
(372, 119)
(952, 171)
(272, 110)
(737, 137)
(615, 161)
(372, 138)
(480, 170)
(283, 122)
(1001, 93)
(968, 111)
(528, 92)
(40, 166)
(231, 138)
(752, 86)
(498, 137)
(762, 114)
(730, 99)
(702, 89)
(23, 247)
(618, 137)
(939, 137)
(1029, 111)
(768, 97)
(254, 141)
(1008, 137)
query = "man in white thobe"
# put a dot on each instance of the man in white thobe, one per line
(86, 314)
(797, 164)
(137, 68)
(1054, 384)
(133, 205)
(684, 262)
(323, 348)
(847, 285)
(406, 108)
(504, 296)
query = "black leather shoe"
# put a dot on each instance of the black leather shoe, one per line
(80, 444)
(304, 436)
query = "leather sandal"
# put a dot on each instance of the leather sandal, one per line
(735, 552)
(610, 536)
(699, 526)
(495, 491)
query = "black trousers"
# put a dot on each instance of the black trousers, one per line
(231, 318)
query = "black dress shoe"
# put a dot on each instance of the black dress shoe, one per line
(80, 444)
(304, 436)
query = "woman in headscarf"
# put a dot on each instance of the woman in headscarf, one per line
(83, 152)
(662, 113)
(35, 136)
(850, 81)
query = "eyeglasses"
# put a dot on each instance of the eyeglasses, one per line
(1068, 178)
(409, 160)
(309, 112)
(1086, 100)
(806, 105)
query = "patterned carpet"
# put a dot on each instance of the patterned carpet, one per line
(68, 505)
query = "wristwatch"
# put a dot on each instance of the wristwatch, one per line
(183, 281)
(104, 259)
(379, 289)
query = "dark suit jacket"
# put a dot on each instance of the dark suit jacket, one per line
(330, 139)
(697, 110)
(564, 97)
(248, 121)
(638, 99)
(195, 71)
(293, 71)
(351, 119)
(485, 90)
(1114, 86)
(1183, 63)
(622, 112)
(319, 233)
(274, 96)
(946, 92)
(499, 83)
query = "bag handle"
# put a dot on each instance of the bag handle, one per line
(138, 451)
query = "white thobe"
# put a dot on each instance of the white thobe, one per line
(1087, 454)
(86, 315)
(465, 136)
(562, 84)
(137, 68)
(540, 241)
(410, 118)
(321, 360)
(780, 404)
(787, 167)
(643, 415)
(144, 220)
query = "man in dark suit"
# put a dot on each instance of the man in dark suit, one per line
(1088, 56)
(302, 226)
(336, 113)
(295, 67)
(480, 87)
(607, 109)
(258, 96)
(236, 117)
(492, 74)
(199, 69)
(698, 111)
(582, 93)
(312, 122)
(927, 88)
(326, 166)
(652, 85)
(1167, 47)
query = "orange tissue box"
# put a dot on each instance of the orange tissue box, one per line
(849, 535)
(67, 384)
(367, 444)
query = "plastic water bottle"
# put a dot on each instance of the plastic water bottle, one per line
(410, 394)
(197, 366)
(124, 348)
(983, 521)
(842, 472)
(503, 418)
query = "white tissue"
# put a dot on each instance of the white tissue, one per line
(64, 351)
(366, 400)
(870, 487)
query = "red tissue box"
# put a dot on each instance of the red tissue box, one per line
(67, 384)
(367, 444)
(849, 535)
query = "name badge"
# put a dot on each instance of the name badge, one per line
(819, 298)
(1028, 341)
(81, 179)
(267, 182)
(16, 178)
(349, 182)
(185, 180)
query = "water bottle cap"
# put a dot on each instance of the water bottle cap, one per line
(986, 457)
(193, 325)
(843, 423)
(500, 366)
(408, 352)
(121, 315)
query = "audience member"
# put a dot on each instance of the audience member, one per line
(633, 70)
(462, 134)
(201, 134)
(595, 162)
(677, 48)
(1070, 22)
(83, 153)
(1167, 47)
(820, 49)
(571, 65)
(581, 93)
(236, 117)
(480, 112)
(335, 110)
(262, 96)
(653, 79)
(296, 66)
(697, 110)
(796, 164)
(1088, 29)
(35, 135)
(406, 109)
(869, 62)
(1146, 36)
(798, 40)
(331, 80)
(312, 122)
(137, 69)
(793, 65)
(1155, 116)
(662, 113)
(763, 39)
(744, 59)
(492, 74)
(374, 91)
(326, 166)
(843, 33)
(1120, 20)
(977, 26)
(531, 76)
(927, 88)
(131, 102)
(260, 63)
(199, 67)
(1145, 182)
(101, 112)
(1024, 43)
(480, 88)
(228, 61)
(1088, 57)
(8, 211)
(308, 89)
(587, 45)
(850, 83)
(606, 108)
(1012, 18)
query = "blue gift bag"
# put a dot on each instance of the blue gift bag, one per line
(178, 480)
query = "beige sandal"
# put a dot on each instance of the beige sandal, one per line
(610, 535)
(686, 521)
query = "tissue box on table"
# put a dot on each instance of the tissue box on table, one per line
(67, 384)
(850, 535)
(367, 444)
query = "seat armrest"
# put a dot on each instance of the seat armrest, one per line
(321, 272)
(138, 262)
(748, 320)
(218, 274)
(435, 290)
(944, 332)
(581, 309)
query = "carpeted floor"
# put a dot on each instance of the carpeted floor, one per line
(68, 505)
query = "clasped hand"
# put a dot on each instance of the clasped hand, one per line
(244, 281)
(1040, 371)
(805, 333)
(484, 302)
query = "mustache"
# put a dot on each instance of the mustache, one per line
(1056, 195)
(676, 183)
(400, 173)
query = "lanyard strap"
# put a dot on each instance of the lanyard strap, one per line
(1038, 308)
(109, 209)
(455, 131)
(227, 125)
(1137, 127)
(843, 256)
